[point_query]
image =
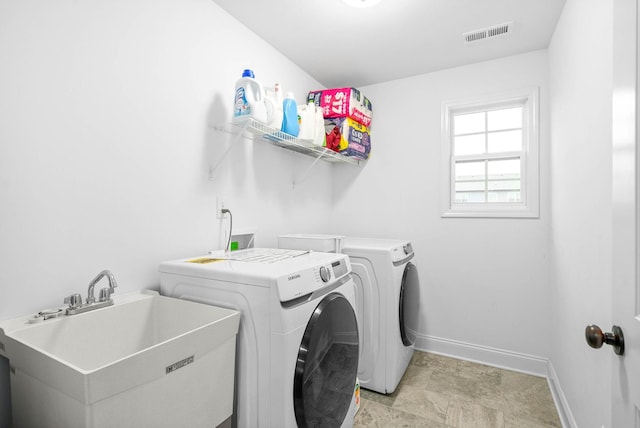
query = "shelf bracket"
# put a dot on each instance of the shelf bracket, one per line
(307, 171)
(235, 137)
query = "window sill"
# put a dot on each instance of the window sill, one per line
(493, 212)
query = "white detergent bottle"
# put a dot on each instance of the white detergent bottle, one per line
(319, 134)
(249, 99)
(290, 123)
(273, 101)
(307, 119)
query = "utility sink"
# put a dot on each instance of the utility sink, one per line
(148, 360)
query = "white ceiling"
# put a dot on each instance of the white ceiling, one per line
(343, 46)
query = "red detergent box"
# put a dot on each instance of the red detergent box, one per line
(343, 102)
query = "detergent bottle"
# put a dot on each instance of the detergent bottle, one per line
(290, 123)
(273, 100)
(319, 138)
(306, 119)
(249, 99)
(311, 124)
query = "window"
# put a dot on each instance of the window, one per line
(490, 156)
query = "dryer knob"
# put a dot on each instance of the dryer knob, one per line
(325, 274)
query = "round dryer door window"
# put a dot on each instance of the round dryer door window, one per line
(327, 364)
(409, 305)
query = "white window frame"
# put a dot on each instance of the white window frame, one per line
(529, 173)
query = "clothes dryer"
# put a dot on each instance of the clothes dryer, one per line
(388, 308)
(297, 354)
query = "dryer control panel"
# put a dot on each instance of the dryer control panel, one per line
(307, 281)
(402, 253)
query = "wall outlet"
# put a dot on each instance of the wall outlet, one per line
(220, 205)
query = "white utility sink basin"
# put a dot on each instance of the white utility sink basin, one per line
(146, 361)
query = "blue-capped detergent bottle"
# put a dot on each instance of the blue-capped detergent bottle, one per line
(249, 99)
(290, 123)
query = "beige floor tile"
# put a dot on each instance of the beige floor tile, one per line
(416, 376)
(494, 396)
(520, 382)
(423, 403)
(452, 385)
(444, 392)
(480, 372)
(373, 414)
(386, 399)
(437, 362)
(529, 398)
(511, 421)
(468, 414)
(539, 411)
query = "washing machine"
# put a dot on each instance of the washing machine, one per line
(388, 308)
(387, 301)
(298, 349)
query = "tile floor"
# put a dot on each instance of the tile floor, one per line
(442, 392)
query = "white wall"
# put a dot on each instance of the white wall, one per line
(581, 83)
(105, 144)
(485, 281)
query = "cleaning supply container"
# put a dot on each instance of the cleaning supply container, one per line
(290, 123)
(306, 117)
(311, 124)
(273, 100)
(249, 99)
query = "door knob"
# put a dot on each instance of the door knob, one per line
(595, 338)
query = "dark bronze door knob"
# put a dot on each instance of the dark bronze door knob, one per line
(595, 338)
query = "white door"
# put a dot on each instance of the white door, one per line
(626, 289)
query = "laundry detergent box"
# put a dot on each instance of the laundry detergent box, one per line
(343, 102)
(348, 137)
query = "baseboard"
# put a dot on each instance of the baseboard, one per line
(515, 361)
(564, 411)
(501, 358)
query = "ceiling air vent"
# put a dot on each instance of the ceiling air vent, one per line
(488, 33)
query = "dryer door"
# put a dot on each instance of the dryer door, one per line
(327, 364)
(409, 305)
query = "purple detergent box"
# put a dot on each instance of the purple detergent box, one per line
(347, 136)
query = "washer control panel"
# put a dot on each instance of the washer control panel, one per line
(306, 281)
(340, 268)
(325, 273)
(331, 272)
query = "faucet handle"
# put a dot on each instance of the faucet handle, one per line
(74, 301)
(105, 294)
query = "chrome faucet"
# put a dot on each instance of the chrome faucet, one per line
(105, 293)
(75, 300)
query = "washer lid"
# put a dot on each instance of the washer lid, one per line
(259, 255)
(314, 242)
(400, 250)
(295, 273)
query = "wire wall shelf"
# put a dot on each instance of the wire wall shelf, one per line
(261, 132)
